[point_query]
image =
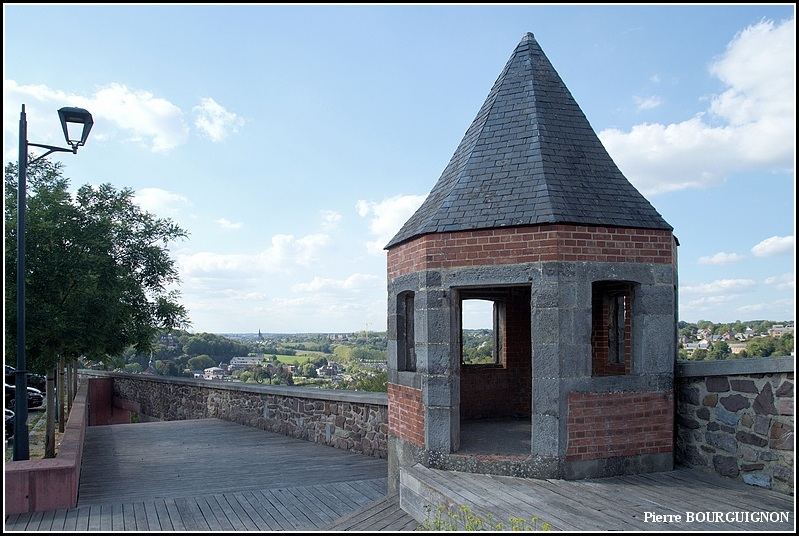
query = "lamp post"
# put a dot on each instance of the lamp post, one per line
(68, 116)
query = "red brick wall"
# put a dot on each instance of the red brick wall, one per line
(406, 413)
(600, 353)
(604, 425)
(531, 244)
(507, 391)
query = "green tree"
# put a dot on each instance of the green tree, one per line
(167, 367)
(220, 348)
(704, 324)
(201, 362)
(376, 382)
(98, 270)
(687, 330)
(279, 374)
(719, 350)
(784, 345)
(132, 368)
(761, 347)
(260, 373)
(308, 370)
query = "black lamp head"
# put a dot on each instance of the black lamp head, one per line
(76, 116)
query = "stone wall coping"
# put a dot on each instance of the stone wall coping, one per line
(333, 395)
(734, 367)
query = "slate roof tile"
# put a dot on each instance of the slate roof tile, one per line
(530, 157)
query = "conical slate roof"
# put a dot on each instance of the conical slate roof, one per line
(530, 157)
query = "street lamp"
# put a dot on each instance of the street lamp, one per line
(69, 118)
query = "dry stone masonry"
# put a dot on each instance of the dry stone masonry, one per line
(735, 418)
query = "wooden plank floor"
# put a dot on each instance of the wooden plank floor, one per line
(606, 504)
(213, 475)
(166, 460)
(210, 475)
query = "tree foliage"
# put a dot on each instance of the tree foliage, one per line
(771, 346)
(201, 362)
(220, 348)
(99, 277)
(719, 350)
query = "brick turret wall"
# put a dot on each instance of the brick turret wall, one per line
(605, 425)
(516, 245)
(484, 390)
(406, 414)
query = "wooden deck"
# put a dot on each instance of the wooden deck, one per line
(604, 504)
(211, 475)
(214, 475)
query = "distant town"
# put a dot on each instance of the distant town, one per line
(357, 360)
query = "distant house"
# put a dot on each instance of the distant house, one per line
(169, 340)
(704, 333)
(691, 346)
(214, 373)
(331, 369)
(737, 347)
(241, 362)
(778, 330)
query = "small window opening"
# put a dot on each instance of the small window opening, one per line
(617, 321)
(482, 318)
(406, 343)
(611, 331)
(477, 333)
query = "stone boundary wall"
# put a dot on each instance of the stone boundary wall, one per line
(349, 420)
(735, 418)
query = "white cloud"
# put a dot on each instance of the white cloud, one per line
(214, 121)
(353, 282)
(755, 310)
(751, 66)
(756, 111)
(711, 300)
(285, 253)
(774, 246)
(143, 118)
(786, 282)
(160, 202)
(325, 310)
(387, 217)
(330, 220)
(720, 286)
(647, 103)
(41, 105)
(720, 258)
(306, 250)
(227, 224)
(149, 120)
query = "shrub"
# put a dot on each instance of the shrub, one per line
(447, 520)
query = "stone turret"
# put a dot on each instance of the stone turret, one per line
(533, 216)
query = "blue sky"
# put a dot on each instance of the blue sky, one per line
(293, 141)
